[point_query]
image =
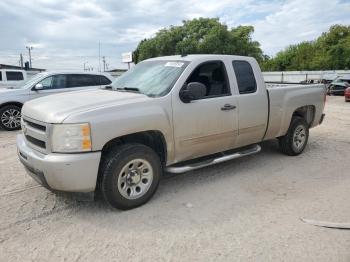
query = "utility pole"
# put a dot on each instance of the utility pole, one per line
(30, 56)
(104, 63)
(21, 60)
(99, 56)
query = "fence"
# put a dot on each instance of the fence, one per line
(299, 76)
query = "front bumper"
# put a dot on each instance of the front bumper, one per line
(61, 172)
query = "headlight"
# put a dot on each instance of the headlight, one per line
(71, 138)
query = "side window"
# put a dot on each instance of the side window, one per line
(245, 77)
(81, 80)
(14, 76)
(213, 76)
(47, 82)
(0, 76)
(59, 81)
(104, 80)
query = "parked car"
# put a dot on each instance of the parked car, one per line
(347, 94)
(11, 77)
(338, 86)
(43, 84)
(176, 113)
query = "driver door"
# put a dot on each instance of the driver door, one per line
(208, 125)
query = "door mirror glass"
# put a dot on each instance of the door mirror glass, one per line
(193, 91)
(39, 87)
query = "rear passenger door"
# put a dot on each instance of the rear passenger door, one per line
(252, 102)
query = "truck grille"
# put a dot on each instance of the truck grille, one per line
(36, 142)
(34, 125)
(36, 134)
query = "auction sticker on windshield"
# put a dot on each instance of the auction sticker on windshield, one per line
(174, 64)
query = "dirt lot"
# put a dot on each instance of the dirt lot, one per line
(248, 209)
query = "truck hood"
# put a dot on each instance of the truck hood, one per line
(56, 108)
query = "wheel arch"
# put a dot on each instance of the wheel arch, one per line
(16, 103)
(151, 138)
(307, 112)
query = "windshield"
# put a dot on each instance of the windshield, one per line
(30, 82)
(152, 78)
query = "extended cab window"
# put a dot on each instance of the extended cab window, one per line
(14, 76)
(245, 77)
(213, 76)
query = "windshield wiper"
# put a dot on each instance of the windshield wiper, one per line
(128, 89)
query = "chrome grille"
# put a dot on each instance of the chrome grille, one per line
(36, 134)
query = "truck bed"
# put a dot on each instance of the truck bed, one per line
(284, 98)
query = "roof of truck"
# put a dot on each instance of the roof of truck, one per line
(192, 58)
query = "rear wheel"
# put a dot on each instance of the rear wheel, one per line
(294, 142)
(10, 117)
(130, 176)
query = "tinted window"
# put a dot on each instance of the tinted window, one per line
(104, 80)
(0, 76)
(245, 77)
(14, 76)
(213, 76)
(101, 80)
(81, 80)
(59, 81)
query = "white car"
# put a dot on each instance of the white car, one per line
(43, 84)
(11, 78)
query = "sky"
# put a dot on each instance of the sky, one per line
(65, 34)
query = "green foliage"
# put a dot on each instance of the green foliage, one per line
(200, 36)
(330, 51)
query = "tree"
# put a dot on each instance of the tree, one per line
(200, 36)
(330, 51)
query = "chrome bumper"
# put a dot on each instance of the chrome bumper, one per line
(62, 172)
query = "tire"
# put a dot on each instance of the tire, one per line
(10, 117)
(125, 184)
(294, 142)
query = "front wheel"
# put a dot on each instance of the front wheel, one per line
(294, 142)
(10, 117)
(130, 176)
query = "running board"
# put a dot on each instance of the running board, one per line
(182, 169)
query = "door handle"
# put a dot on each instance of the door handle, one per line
(227, 107)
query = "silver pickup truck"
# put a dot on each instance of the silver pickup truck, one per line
(174, 114)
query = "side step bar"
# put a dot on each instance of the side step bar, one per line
(182, 169)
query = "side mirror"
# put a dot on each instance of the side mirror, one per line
(38, 87)
(193, 91)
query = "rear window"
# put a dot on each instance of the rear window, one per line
(101, 80)
(14, 76)
(245, 77)
(104, 80)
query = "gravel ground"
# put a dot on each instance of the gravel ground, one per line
(247, 209)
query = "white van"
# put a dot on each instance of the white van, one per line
(11, 77)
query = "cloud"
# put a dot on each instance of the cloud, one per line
(66, 33)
